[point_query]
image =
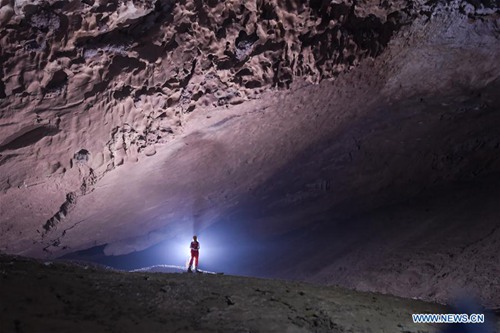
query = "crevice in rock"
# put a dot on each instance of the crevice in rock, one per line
(61, 214)
(81, 156)
(58, 80)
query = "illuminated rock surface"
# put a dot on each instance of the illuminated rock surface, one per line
(359, 140)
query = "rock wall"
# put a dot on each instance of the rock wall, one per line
(116, 78)
(119, 117)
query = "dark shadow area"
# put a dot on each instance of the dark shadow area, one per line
(29, 137)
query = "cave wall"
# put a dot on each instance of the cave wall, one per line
(128, 123)
(116, 79)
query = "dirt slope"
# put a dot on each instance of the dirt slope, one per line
(43, 296)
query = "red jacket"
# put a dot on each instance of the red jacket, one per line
(195, 246)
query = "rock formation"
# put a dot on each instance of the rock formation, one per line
(127, 123)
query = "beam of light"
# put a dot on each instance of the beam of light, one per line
(178, 250)
(224, 247)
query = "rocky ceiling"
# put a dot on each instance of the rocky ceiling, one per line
(127, 123)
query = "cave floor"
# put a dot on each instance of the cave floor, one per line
(37, 296)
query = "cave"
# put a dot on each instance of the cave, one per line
(338, 162)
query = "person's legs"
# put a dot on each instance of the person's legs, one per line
(196, 261)
(193, 256)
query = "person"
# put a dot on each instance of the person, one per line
(195, 251)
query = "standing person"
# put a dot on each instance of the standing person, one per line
(195, 251)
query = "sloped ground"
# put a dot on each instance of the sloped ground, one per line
(38, 296)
